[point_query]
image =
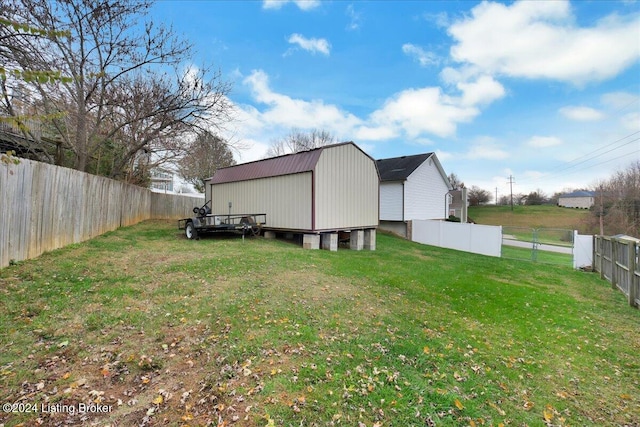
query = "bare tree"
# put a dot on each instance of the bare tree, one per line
(478, 196)
(617, 203)
(205, 155)
(120, 95)
(298, 140)
(456, 183)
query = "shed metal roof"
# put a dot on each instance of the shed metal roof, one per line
(399, 168)
(304, 161)
(581, 193)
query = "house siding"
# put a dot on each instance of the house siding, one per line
(575, 202)
(286, 200)
(391, 201)
(346, 189)
(425, 192)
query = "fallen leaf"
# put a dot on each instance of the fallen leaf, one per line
(547, 414)
(458, 404)
(158, 400)
(426, 350)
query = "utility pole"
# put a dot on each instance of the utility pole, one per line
(496, 196)
(511, 181)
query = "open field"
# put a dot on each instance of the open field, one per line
(542, 216)
(167, 331)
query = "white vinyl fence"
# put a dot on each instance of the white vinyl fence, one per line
(485, 239)
(582, 250)
(479, 239)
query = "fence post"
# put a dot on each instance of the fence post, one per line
(594, 254)
(631, 263)
(614, 260)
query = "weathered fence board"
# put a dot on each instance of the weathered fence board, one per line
(45, 207)
(616, 259)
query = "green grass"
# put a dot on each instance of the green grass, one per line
(544, 257)
(541, 216)
(265, 333)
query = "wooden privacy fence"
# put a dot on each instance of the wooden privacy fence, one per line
(616, 260)
(45, 207)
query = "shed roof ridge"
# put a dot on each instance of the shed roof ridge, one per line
(287, 164)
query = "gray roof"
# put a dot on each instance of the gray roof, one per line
(580, 194)
(399, 168)
(304, 161)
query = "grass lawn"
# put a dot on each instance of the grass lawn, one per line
(168, 331)
(542, 216)
(544, 257)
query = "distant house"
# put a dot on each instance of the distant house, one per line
(577, 199)
(456, 205)
(162, 180)
(412, 187)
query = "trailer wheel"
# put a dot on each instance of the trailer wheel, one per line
(190, 231)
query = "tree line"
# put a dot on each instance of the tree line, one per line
(616, 208)
(100, 87)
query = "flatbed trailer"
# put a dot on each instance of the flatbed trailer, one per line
(206, 222)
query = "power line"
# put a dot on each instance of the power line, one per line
(608, 151)
(602, 148)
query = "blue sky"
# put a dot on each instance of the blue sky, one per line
(545, 91)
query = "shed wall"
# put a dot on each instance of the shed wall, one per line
(391, 201)
(576, 202)
(346, 189)
(285, 199)
(425, 192)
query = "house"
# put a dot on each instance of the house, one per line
(457, 207)
(316, 193)
(577, 199)
(162, 180)
(412, 187)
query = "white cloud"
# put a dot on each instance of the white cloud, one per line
(543, 141)
(312, 45)
(620, 100)
(287, 112)
(302, 4)
(486, 150)
(481, 92)
(536, 39)
(429, 110)
(425, 110)
(581, 114)
(377, 133)
(423, 57)
(355, 18)
(631, 121)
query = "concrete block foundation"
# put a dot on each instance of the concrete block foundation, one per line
(269, 234)
(330, 241)
(370, 239)
(356, 241)
(311, 241)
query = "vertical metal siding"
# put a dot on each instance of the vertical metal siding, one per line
(285, 199)
(346, 189)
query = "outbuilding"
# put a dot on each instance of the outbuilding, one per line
(577, 199)
(317, 193)
(412, 187)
